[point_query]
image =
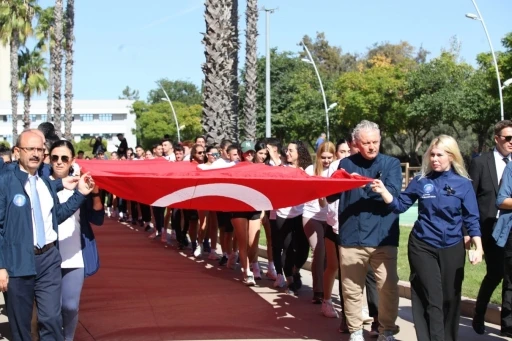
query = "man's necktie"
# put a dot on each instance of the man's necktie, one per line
(38, 214)
(506, 159)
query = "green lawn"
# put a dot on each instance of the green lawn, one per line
(473, 274)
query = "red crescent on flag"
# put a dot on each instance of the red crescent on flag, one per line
(242, 187)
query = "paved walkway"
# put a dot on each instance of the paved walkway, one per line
(148, 291)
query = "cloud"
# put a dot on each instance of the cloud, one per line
(175, 15)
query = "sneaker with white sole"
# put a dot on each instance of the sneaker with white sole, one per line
(279, 282)
(249, 281)
(328, 309)
(357, 336)
(271, 274)
(198, 251)
(256, 270)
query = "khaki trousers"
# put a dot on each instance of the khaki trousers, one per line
(354, 264)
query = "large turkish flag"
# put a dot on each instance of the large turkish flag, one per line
(242, 187)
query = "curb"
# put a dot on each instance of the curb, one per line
(467, 305)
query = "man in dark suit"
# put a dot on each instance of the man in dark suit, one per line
(29, 257)
(486, 171)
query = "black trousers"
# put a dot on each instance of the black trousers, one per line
(181, 230)
(159, 214)
(46, 289)
(494, 258)
(145, 211)
(506, 295)
(290, 246)
(436, 285)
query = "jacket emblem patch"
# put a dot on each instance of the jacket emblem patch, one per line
(19, 200)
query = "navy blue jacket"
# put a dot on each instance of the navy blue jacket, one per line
(88, 216)
(446, 201)
(364, 218)
(16, 234)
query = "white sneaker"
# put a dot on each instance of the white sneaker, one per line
(249, 281)
(232, 260)
(108, 212)
(357, 336)
(367, 319)
(198, 251)
(271, 274)
(328, 309)
(213, 256)
(279, 282)
(383, 337)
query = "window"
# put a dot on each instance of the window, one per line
(86, 117)
(105, 117)
(119, 117)
(43, 117)
(7, 118)
(33, 118)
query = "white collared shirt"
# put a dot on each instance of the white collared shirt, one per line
(500, 167)
(46, 201)
(70, 242)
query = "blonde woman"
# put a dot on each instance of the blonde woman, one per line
(314, 219)
(436, 252)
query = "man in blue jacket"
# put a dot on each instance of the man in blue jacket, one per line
(29, 259)
(369, 233)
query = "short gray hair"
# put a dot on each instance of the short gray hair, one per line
(364, 125)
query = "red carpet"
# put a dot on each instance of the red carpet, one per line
(144, 291)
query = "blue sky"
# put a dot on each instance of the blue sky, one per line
(119, 44)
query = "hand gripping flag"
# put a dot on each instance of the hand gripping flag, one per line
(242, 187)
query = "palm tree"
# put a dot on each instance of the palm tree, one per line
(57, 66)
(251, 58)
(233, 55)
(68, 91)
(32, 68)
(45, 33)
(15, 26)
(217, 71)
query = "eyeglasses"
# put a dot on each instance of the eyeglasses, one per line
(213, 154)
(64, 158)
(200, 153)
(506, 138)
(32, 149)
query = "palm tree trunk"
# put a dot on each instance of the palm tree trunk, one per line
(233, 118)
(26, 110)
(251, 59)
(216, 70)
(57, 67)
(15, 44)
(49, 103)
(68, 94)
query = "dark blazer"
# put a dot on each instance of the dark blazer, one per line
(16, 234)
(482, 171)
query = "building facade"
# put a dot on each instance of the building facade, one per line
(5, 73)
(105, 118)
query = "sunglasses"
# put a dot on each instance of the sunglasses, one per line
(200, 153)
(64, 158)
(213, 154)
(506, 138)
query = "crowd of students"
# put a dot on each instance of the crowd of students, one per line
(353, 234)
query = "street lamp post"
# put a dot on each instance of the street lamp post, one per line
(310, 60)
(173, 112)
(480, 18)
(268, 11)
(506, 83)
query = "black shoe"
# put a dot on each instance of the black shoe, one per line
(318, 298)
(147, 228)
(506, 333)
(292, 289)
(223, 261)
(478, 325)
(297, 281)
(134, 222)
